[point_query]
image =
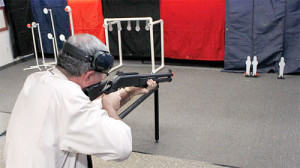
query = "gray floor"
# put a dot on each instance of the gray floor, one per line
(206, 115)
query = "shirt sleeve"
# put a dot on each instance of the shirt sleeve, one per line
(86, 128)
(98, 102)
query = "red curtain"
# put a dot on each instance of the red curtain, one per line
(194, 29)
(87, 17)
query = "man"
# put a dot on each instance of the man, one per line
(54, 124)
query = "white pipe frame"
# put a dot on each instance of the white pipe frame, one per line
(69, 10)
(51, 37)
(53, 29)
(54, 34)
(34, 46)
(120, 46)
(41, 45)
(151, 23)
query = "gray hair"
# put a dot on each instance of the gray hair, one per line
(85, 42)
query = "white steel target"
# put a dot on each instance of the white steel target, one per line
(108, 22)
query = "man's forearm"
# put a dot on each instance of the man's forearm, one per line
(126, 95)
(113, 114)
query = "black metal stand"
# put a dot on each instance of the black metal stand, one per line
(156, 115)
(156, 109)
(132, 107)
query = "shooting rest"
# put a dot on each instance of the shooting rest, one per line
(156, 109)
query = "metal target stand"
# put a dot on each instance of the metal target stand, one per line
(50, 37)
(32, 26)
(108, 22)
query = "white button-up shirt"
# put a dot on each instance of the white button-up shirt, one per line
(54, 125)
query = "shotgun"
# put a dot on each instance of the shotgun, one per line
(125, 80)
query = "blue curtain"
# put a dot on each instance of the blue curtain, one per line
(267, 29)
(292, 37)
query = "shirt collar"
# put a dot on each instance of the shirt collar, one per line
(57, 72)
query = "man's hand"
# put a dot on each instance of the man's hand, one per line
(137, 91)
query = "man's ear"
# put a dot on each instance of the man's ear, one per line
(87, 77)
